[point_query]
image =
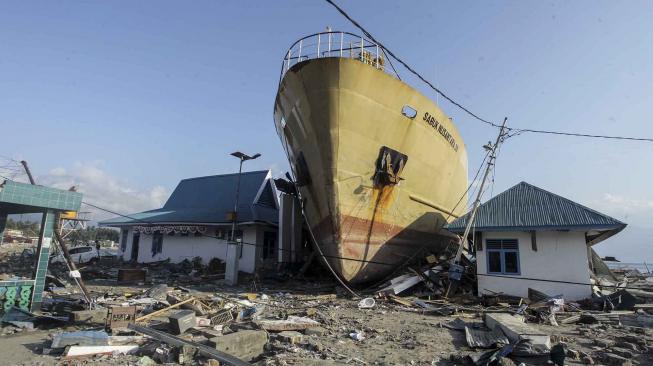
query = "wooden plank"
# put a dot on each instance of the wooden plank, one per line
(75, 351)
(145, 317)
(401, 301)
(571, 319)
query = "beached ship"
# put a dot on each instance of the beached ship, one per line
(379, 167)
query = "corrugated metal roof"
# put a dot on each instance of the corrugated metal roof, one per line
(208, 200)
(479, 338)
(526, 207)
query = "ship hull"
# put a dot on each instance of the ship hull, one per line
(336, 118)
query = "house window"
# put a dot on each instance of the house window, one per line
(157, 243)
(502, 256)
(123, 240)
(269, 244)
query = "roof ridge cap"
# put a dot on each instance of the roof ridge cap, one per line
(576, 204)
(226, 175)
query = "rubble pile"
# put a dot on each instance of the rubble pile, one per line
(16, 261)
(614, 327)
(182, 314)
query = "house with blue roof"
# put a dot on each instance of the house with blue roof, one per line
(196, 221)
(527, 237)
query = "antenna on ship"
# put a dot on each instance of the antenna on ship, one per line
(455, 269)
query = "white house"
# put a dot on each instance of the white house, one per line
(527, 237)
(196, 221)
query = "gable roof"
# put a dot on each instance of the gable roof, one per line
(526, 207)
(207, 200)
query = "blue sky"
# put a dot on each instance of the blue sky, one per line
(126, 98)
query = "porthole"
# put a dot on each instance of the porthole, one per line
(409, 111)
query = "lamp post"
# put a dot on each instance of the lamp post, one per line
(231, 273)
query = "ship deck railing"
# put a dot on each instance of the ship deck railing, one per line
(337, 44)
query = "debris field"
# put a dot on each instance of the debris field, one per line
(181, 314)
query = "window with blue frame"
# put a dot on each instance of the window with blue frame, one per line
(502, 256)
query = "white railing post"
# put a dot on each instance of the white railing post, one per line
(377, 56)
(342, 36)
(299, 56)
(288, 61)
(318, 45)
(329, 54)
(362, 49)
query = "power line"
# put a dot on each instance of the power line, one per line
(10, 159)
(353, 259)
(257, 245)
(151, 223)
(577, 134)
(410, 69)
(555, 281)
(418, 251)
(465, 109)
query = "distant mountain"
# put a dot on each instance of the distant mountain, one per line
(634, 244)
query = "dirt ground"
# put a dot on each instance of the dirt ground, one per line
(392, 334)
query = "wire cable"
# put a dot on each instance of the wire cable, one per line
(555, 281)
(418, 251)
(576, 134)
(151, 223)
(258, 245)
(467, 110)
(410, 69)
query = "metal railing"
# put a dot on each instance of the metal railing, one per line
(337, 44)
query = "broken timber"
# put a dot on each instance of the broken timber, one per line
(292, 323)
(77, 351)
(145, 317)
(205, 351)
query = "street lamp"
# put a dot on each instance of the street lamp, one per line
(231, 273)
(243, 158)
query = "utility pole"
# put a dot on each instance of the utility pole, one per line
(455, 269)
(233, 247)
(28, 172)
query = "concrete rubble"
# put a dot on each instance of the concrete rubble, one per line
(181, 314)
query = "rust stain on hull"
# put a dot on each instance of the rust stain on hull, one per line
(361, 257)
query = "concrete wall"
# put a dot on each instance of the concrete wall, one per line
(178, 248)
(560, 256)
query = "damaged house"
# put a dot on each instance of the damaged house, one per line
(197, 218)
(527, 237)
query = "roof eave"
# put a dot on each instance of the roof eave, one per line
(543, 228)
(221, 223)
